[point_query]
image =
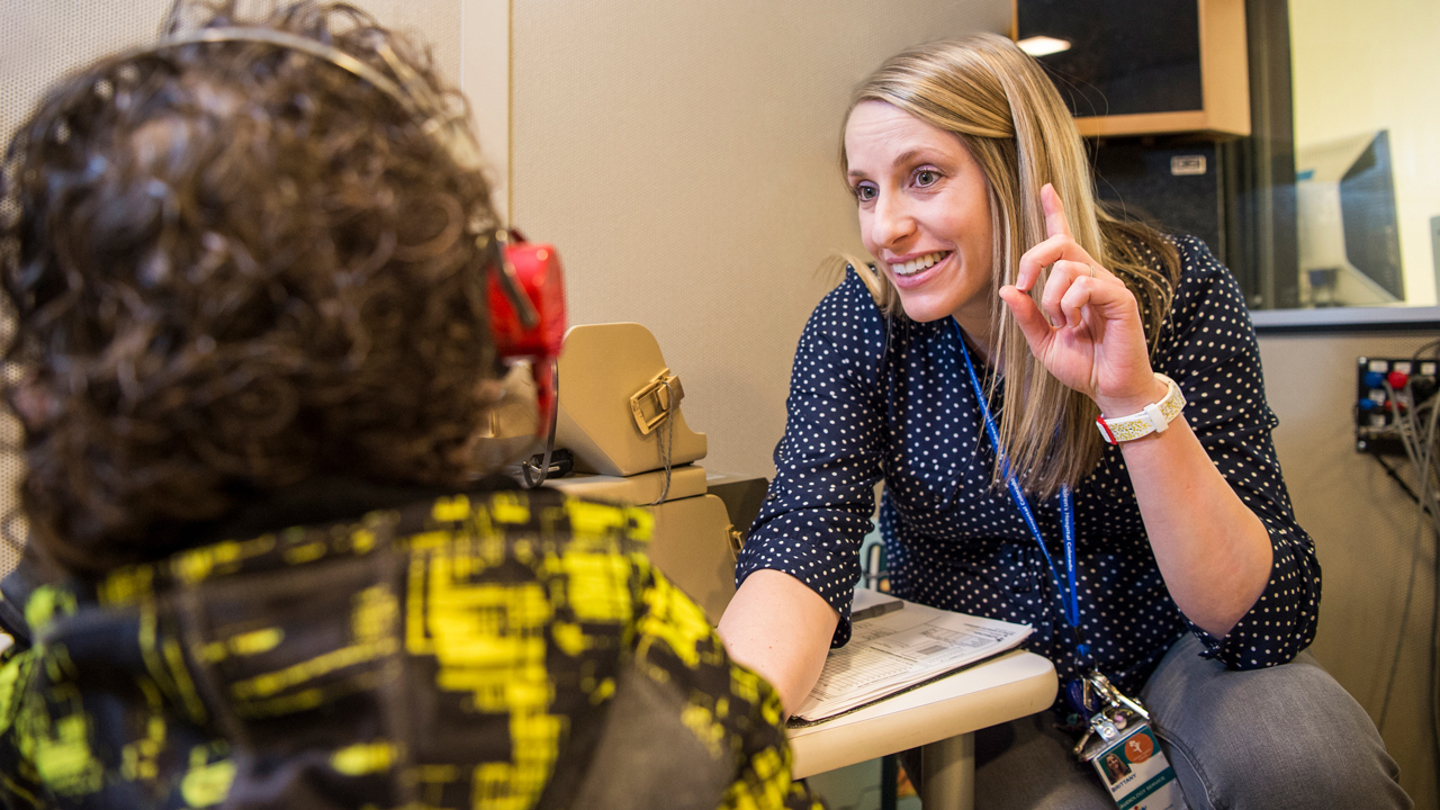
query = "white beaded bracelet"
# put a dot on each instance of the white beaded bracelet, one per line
(1155, 418)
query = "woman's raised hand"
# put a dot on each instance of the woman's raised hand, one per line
(1086, 329)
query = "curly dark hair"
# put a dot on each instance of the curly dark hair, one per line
(234, 267)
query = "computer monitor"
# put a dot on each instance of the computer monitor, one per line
(1348, 233)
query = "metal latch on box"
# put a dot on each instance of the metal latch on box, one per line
(655, 402)
(737, 541)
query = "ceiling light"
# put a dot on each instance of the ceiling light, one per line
(1043, 46)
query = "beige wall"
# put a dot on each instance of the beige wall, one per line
(1365, 534)
(683, 158)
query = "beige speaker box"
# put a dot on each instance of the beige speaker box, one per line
(615, 390)
(692, 547)
(691, 542)
(619, 410)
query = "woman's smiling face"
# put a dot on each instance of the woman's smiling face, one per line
(924, 207)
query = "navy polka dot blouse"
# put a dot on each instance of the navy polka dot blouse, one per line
(874, 397)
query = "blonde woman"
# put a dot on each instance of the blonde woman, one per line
(1005, 297)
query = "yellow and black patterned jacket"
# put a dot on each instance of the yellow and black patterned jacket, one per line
(500, 650)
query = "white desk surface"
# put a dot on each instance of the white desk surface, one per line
(995, 691)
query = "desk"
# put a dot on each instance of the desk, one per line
(941, 716)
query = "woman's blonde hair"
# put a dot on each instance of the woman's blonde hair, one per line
(1004, 109)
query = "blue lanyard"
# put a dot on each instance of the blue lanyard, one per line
(1070, 598)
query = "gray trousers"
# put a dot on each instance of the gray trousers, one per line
(1284, 737)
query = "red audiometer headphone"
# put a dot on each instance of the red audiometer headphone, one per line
(527, 312)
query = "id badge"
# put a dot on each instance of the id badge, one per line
(1137, 773)
(1121, 745)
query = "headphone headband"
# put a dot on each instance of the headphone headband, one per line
(534, 291)
(414, 95)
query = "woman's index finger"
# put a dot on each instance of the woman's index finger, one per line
(1055, 223)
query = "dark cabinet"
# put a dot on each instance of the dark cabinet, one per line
(1146, 67)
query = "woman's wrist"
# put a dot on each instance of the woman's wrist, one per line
(1116, 407)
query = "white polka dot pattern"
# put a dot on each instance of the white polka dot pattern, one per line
(872, 397)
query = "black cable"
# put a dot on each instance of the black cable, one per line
(1399, 640)
(1395, 476)
(1433, 347)
(1428, 477)
(1424, 461)
(1435, 664)
(1435, 656)
(534, 474)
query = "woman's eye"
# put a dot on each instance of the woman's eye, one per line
(926, 177)
(864, 193)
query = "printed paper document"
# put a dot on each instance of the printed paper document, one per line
(898, 649)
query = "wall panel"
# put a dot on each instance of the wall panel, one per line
(684, 159)
(1365, 532)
